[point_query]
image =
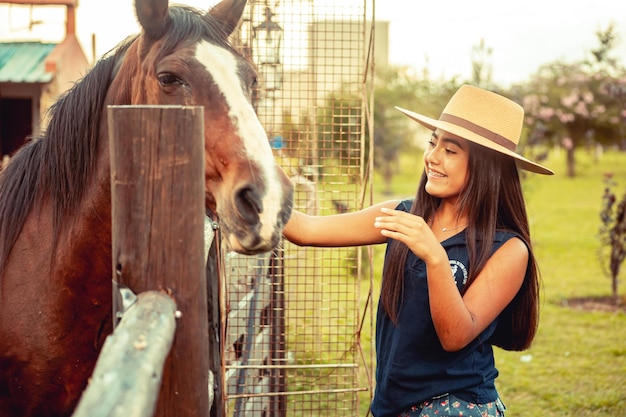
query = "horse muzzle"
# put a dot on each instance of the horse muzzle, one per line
(253, 220)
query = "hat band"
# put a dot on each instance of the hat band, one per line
(486, 133)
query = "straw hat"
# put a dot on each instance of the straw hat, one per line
(485, 118)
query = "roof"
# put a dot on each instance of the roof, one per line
(25, 62)
(44, 2)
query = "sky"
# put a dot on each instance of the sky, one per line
(436, 34)
(523, 34)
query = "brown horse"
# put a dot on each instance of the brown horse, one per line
(55, 201)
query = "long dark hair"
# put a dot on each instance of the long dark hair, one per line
(492, 200)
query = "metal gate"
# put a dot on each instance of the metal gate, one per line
(293, 319)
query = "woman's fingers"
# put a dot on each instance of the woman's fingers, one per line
(399, 221)
(409, 229)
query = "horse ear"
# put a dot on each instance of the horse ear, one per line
(153, 16)
(228, 13)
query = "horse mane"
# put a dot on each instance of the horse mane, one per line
(190, 25)
(59, 163)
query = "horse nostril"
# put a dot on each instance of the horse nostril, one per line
(249, 204)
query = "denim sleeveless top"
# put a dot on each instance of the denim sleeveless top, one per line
(412, 366)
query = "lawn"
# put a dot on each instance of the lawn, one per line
(577, 364)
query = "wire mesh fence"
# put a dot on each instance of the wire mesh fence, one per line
(291, 337)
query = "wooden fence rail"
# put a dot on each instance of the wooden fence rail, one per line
(127, 377)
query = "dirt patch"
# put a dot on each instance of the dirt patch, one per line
(606, 304)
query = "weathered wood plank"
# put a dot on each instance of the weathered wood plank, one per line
(158, 211)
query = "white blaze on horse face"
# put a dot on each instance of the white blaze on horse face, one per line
(222, 66)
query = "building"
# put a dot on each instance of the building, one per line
(32, 76)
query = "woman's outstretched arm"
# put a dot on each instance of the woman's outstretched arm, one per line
(337, 230)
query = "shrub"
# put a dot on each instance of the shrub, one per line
(612, 232)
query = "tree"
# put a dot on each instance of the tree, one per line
(579, 104)
(482, 70)
(394, 133)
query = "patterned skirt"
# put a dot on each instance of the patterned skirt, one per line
(449, 405)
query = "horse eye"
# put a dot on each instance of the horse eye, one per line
(168, 79)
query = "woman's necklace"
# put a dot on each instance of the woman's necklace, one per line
(448, 229)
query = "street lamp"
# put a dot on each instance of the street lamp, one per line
(267, 38)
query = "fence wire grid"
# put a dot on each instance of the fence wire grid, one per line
(292, 339)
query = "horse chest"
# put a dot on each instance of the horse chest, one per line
(54, 317)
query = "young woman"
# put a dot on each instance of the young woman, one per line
(459, 273)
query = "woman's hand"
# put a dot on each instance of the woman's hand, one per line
(414, 232)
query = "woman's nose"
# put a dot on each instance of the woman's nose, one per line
(432, 156)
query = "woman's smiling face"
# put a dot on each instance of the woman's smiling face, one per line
(446, 162)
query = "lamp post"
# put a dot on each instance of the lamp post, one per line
(268, 37)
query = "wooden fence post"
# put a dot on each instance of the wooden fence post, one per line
(157, 186)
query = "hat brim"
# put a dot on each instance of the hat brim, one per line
(433, 124)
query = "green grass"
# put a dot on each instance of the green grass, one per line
(577, 364)
(578, 360)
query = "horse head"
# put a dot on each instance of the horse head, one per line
(183, 57)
